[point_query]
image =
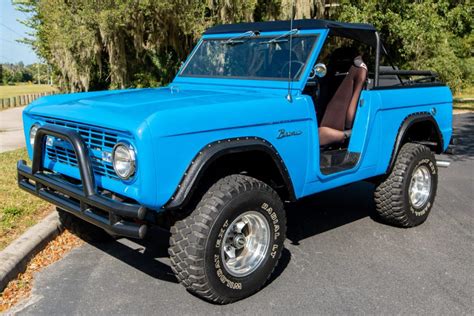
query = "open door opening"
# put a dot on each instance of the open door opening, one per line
(336, 98)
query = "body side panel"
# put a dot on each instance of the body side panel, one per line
(269, 117)
(398, 104)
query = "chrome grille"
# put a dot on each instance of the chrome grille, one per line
(97, 140)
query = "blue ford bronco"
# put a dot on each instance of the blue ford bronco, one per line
(258, 116)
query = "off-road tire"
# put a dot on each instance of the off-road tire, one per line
(392, 202)
(195, 241)
(81, 228)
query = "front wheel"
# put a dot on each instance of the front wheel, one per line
(406, 196)
(229, 246)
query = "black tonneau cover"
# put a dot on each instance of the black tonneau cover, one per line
(361, 32)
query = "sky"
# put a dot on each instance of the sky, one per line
(11, 30)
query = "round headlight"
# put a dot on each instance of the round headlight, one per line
(33, 131)
(124, 160)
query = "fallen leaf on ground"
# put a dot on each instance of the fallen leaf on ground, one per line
(20, 288)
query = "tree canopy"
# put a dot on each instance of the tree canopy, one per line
(14, 73)
(94, 44)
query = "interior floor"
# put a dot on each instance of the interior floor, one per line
(337, 160)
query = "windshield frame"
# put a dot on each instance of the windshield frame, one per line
(272, 82)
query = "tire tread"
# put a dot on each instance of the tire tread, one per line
(388, 195)
(188, 236)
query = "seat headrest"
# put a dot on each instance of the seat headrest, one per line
(358, 62)
(342, 54)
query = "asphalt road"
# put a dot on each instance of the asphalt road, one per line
(11, 129)
(337, 261)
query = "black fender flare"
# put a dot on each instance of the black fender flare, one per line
(405, 126)
(215, 150)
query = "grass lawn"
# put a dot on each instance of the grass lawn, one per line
(18, 209)
(467, 93)
(22, 89)
(464, 106)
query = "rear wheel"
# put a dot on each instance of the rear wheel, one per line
(406, 196)
(228, 247)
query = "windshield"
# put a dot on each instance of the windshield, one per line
(250, 58)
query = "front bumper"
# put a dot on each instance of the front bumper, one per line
(83, 201)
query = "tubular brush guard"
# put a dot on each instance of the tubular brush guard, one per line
(82, 202)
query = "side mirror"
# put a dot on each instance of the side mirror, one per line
(319, 70)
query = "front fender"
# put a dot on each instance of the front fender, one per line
(213, 151)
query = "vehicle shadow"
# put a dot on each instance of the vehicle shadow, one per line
(143, 254)
(306, 218)
(329, 210)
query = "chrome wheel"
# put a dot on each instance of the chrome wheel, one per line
(420, 186)
(246, 243)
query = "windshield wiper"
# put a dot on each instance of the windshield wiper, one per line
(281, 38)
(239, 38)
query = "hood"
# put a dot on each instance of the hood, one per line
(178, 110)
(129, 107)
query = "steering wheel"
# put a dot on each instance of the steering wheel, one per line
(287, 64)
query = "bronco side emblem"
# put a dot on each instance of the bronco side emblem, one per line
(282, 133)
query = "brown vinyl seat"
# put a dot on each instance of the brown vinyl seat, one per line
(337, 121)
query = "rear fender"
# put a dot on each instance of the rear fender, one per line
(408, 122)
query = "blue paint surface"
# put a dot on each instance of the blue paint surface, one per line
(168, 126)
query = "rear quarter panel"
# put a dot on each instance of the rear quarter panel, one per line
(395, 105)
